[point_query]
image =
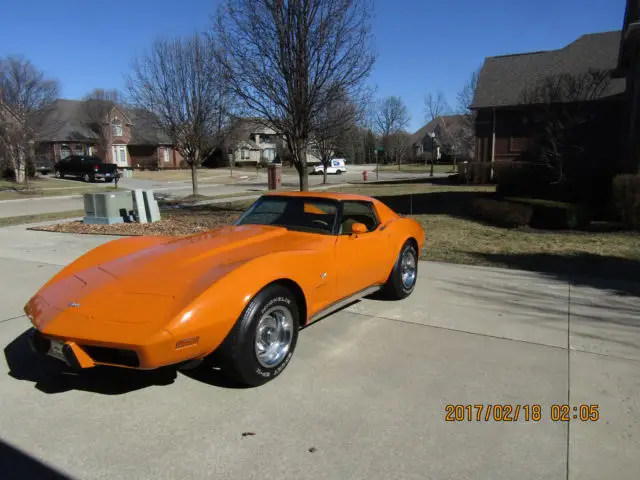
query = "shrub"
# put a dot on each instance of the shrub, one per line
(559, 216)
(502, 213)
(626, 199)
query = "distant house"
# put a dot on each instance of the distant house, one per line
(628, 69)
(251, 142)
(502, 129)
(130, 138)
(446, 135)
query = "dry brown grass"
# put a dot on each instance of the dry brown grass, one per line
(52, 187)
(41, 217)
(451, 237)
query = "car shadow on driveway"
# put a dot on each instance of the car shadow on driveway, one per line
(50, 376)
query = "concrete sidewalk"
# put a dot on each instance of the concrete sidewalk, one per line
(366, 394)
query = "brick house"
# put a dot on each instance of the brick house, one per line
(445, 135)
(127, 137)
(628, 70)
(502, 130)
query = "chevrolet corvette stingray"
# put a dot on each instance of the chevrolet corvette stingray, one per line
(238, 293)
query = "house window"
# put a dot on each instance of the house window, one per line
(244, 154)
(269, 154)
(166, 154)
(116, 128)
(79, 149)
(65, 151)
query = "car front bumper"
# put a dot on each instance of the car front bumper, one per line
(81, 354)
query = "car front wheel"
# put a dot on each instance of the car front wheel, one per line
(262, 342)
(404, 275)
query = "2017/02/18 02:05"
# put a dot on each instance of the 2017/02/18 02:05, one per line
(515, 412)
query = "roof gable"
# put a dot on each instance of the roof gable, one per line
(504, 78)
(70, 120)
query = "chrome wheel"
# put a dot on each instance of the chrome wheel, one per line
(273, 336)
(408, 268)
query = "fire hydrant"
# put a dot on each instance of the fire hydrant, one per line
(365, 175)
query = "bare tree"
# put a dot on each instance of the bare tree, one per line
(180, 81)
(464, 137)
(399, 146)
(25, 92)
(436, 106)
(97, 107)
(392, 117)
(558, 106)
(332, 124)
(285, 60)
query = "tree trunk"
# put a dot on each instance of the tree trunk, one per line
(194, 176)
(302, 167)
(324, 173)
(19, 167)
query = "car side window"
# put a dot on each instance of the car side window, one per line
(357, 212)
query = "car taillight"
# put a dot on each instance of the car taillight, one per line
(95, 168)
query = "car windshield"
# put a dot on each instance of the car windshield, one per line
(312, 215)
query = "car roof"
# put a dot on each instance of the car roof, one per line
(328, 195)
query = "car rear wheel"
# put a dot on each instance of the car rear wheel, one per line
(262, 342)
(59, 174)
(404, 275)
(87, 178)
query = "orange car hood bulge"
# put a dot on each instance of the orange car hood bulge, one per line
(157, 277)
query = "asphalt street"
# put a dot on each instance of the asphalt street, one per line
(364, 398)
(252, 185)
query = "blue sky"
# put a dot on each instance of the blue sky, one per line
(423, 45)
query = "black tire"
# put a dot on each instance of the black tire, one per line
(59, 174)
(237, 355)
(395, 288)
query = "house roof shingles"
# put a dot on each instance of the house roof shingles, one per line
(145, 129)
(503, 78)
(64, 120)
(449, 122)
(67, 120)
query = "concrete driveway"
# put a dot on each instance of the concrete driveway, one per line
(364, 398)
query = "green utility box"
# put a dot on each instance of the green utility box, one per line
(108, 208)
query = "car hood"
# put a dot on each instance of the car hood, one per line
(157, 277)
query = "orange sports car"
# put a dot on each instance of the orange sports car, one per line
(238, 293)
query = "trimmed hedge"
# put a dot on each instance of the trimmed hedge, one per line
(521, 212)
(626, 199)
(502, 213)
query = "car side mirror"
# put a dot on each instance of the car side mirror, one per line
(358, 228)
